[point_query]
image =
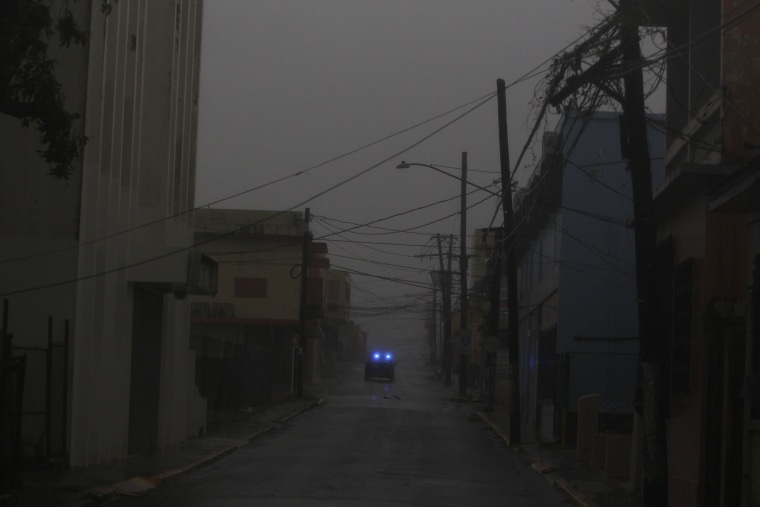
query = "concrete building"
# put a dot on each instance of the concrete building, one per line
(708, 219)
(344, 340)
(258, 303)
(576, 269)
(338, 296)
(109, 249)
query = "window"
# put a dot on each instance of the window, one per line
(250, 287)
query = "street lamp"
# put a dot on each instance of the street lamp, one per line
(407, 165)
(464, 335)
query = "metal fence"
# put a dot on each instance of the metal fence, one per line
(44, 405)
(34, 401)
(205, 309)
(12, 374)
(232, 376)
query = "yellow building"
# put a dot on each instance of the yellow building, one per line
(253, 321)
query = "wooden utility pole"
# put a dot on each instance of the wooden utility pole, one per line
(302, 342)
(651, 394)
(651, 388)
(509, 249)
(494, 293)
(655, 487)
(434, 328)
(446, 310)
(463, 304)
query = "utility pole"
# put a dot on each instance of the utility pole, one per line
(447, 326)
(650, 393)
(509, 249)
(445, 282)
(655, 487)
(302, 342)
(494, 289)
(434, 328)
(446, 296)
(464, 334)
(442, 279)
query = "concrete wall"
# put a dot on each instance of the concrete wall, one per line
(597, 289)
(39, 224)
(135, 86)
(740, 74)
(139, 167)
(712, 106)
(577, 269)
(340, 281)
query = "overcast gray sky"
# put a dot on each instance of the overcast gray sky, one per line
(287, 85)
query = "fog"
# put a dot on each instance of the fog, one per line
(312, 104)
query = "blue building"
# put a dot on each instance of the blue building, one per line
(576, 275)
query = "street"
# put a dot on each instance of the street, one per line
(373, 442)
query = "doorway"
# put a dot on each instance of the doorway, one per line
(147, 325)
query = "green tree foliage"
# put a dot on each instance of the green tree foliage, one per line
(29, 89)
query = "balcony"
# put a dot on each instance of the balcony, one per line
(205, 310)
(223, 310)
(198, 309)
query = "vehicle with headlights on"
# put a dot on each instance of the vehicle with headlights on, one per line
(379, 365)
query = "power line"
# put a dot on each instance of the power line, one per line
(485, 99)
(385, 278)
(384, 243)
(410, 230)
(234, 231)
(387, 264)
(357, 243)
(479, 101)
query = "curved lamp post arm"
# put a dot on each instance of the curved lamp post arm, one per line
(463, 303)
(407, 165)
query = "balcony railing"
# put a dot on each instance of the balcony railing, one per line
(223, 310)
(199, 309)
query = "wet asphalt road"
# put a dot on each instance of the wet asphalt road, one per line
(401, 443)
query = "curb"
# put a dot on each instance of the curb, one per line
(487, 420)
(305, 408)
(541, 468)
(96, 497)
(576, 496)
(100, 496)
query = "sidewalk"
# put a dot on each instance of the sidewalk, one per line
(96, 485)
(586, 486)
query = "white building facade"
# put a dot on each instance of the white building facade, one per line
(110, 249)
